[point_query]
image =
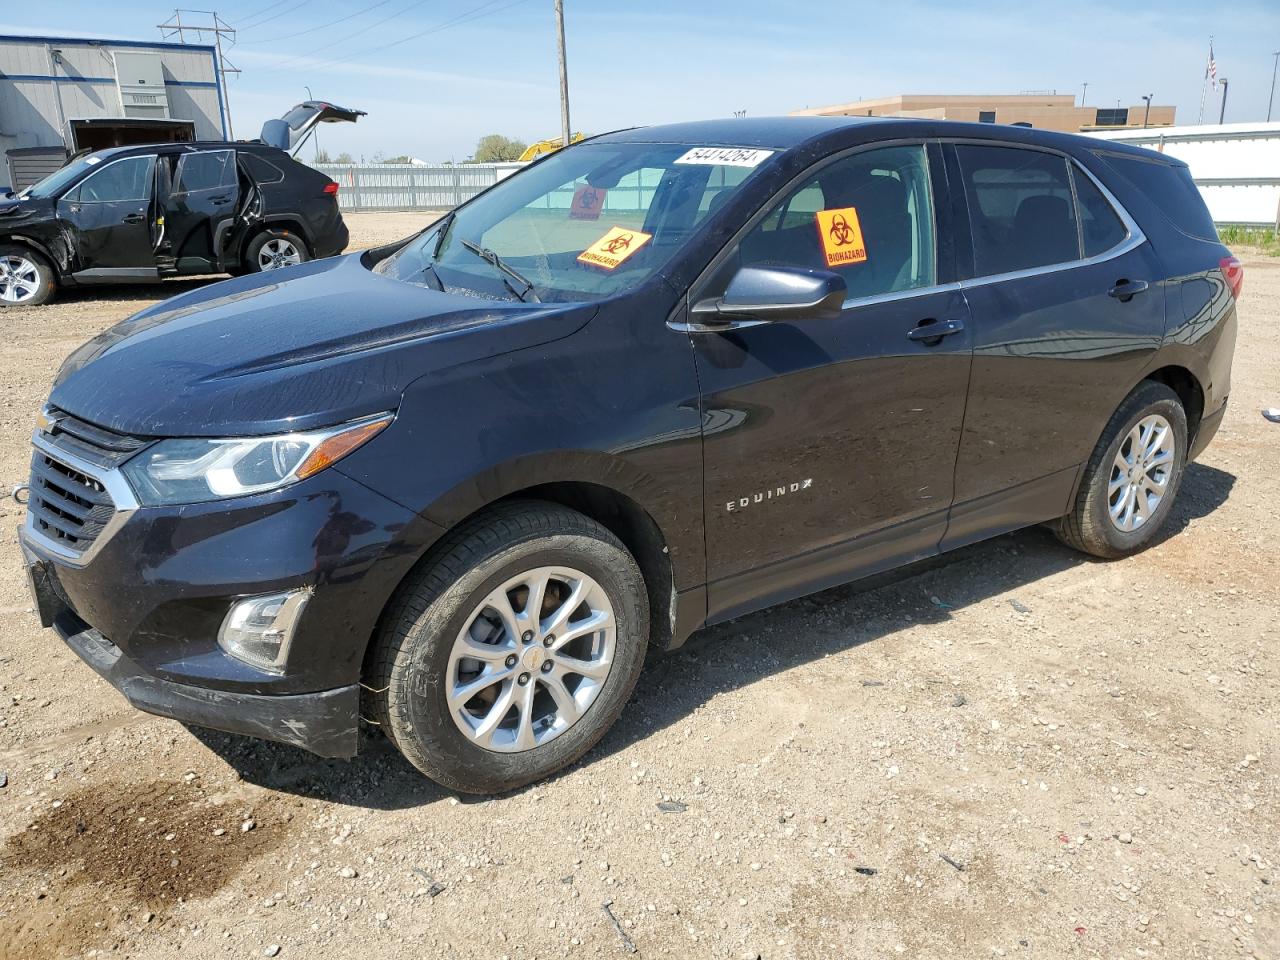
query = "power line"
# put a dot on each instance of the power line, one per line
(276, 16)
(341, 40)
(323, 26)
(475, 13)
(258, 13)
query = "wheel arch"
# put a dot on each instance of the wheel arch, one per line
(22, 239)
(618, 512)
(1187, 386)
(275, 222)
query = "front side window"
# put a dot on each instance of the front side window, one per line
(1021, 208)
(128, 179)
(867, 217)
(213, 170)
(584, 223)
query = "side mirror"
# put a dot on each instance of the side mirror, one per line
(763, 294)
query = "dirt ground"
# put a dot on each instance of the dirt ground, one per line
(1018, 752)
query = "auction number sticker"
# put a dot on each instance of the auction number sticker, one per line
(841, 236)
(614, 247)
(726, 156)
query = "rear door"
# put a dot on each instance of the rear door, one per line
(110, 214)
(201, 207)
(290, 132)
(1067, 309)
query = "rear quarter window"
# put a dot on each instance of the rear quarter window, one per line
(262, 170)
(1170, 187)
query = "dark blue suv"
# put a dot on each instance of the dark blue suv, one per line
(457, 486)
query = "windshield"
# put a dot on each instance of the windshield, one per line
(585, 223)
(54, 183)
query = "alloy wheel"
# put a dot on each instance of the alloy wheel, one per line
(1140, 473)
(19, 279)
(277, 253)
(532, 658)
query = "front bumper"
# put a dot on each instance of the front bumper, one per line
(325, 722)
(144, 605)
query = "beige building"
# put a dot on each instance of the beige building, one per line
(1045, 112)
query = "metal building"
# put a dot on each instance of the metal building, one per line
(60, 94)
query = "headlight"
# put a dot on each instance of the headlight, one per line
(193, 471)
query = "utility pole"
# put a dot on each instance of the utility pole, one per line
(1275, 60)
(1146, 114)
(1222, 112)
(214, 24)
(1084, 93)
(564, 75)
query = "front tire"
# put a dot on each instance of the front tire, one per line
(1132, 478)
(273, 250)
(26, 278)
(512, 654)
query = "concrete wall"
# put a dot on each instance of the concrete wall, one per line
(38, 94)
(1049, 112)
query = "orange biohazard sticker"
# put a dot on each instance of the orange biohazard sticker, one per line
(587, 203)
(841, 236)
(614, 247)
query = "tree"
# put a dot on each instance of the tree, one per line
(403, 158)
(322, 156)
(343, 158)
(495, 148)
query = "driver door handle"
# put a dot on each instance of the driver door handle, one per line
(932, 331)
(133, 218)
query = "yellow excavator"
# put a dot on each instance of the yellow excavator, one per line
(543, 147)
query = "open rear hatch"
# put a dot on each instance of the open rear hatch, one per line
(290, 132)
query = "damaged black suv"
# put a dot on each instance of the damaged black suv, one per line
(138, 214)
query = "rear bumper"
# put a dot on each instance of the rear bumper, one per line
(325, 722)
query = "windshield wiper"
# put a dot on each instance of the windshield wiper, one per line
(487, 255)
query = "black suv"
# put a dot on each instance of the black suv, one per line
(140, 214)
(459, 485)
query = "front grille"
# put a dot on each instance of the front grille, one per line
(67, 505)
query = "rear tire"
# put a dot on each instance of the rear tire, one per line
(1132, 477)
(273, 250)
(26, 278)
(532, 712)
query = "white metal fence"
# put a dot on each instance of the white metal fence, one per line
(1235, 165)
(408, 186)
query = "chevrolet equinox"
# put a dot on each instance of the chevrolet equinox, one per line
(458, 485)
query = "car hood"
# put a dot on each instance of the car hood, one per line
(15, 209)
(311, 346)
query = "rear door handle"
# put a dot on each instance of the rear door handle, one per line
(133, 218)
(1126, 290)
(225, 198)
(932, 331)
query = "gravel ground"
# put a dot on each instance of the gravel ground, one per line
(1016, 752)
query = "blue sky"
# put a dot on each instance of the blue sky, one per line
(490, 67)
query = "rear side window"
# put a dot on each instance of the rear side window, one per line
(205, 171)
(1020, 207)
(1171, 188)
(262, 171)
(1100, 226)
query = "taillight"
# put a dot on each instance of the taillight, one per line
(1232, 272)
(331, 189)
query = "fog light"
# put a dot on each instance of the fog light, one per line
(258, 630)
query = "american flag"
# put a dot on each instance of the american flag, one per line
(1211, 70)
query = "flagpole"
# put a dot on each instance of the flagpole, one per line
(1204, 84)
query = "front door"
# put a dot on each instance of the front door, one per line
(200, 209)
(110, 214)
(830, 445)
